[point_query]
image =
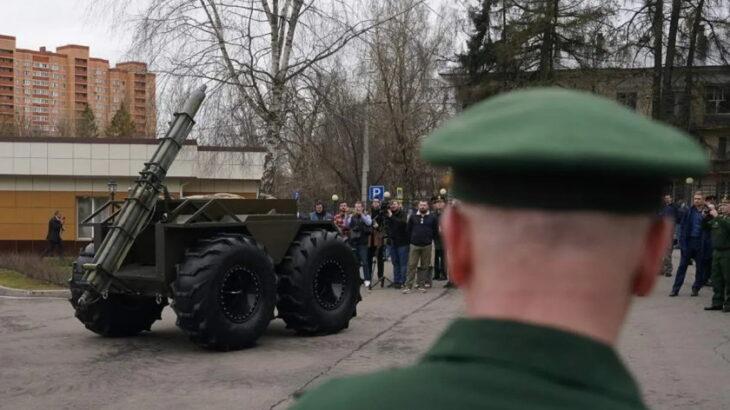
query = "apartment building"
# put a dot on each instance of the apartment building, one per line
(44, 92)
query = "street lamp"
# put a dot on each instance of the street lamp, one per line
(112, 185)
(443, 193)
(689, 181)
(386, 194)
(335, 198)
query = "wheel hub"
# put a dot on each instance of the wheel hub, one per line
(330, 283)
(239, 294)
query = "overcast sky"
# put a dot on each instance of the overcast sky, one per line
(53, 23)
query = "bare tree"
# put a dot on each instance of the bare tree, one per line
(256, 47)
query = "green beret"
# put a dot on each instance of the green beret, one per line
(560, 149)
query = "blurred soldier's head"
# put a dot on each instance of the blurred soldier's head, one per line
(555, 223)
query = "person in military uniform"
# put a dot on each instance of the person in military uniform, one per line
(555, 230)
(719, 225)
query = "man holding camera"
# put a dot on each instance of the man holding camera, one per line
(360, 225)
(340, 220)
(422, 230)
(398, 242)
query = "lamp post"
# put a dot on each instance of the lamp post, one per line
(689, 181)
(443, 192)
(112, 186)
(335, 198)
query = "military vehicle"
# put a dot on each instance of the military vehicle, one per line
(226, 264)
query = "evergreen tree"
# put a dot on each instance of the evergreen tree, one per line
(536, 37)
(86, 125)
(122, 125)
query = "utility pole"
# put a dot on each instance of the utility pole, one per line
(366, 150)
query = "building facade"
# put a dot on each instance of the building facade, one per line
(72, 175)
(709, 118)
(44, 92)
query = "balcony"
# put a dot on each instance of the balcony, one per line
(6, 62)
(6, 53)
(5, 90)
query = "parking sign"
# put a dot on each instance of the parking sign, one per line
(376, 191)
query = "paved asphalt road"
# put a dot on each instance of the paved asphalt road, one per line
(680, 353)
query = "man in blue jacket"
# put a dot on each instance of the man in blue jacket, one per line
(670, 211)
(694, 244)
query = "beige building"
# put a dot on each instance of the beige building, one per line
(44, 92)
(72, 175)
(709, 120)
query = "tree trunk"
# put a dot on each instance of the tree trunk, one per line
(689, 79)
(657, 27)
(667, 91)
(547, 52)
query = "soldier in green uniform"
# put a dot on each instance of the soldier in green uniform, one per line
(554, 232)
(720, 229)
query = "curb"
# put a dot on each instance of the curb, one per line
(61, 293)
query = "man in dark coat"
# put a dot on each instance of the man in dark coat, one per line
(695, 245)
(55, 226)
(395, 226)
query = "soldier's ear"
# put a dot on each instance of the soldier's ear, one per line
(458, 246)
(656, 242)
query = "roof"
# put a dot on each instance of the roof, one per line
(144, 141)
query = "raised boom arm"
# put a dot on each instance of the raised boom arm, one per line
(139, 206)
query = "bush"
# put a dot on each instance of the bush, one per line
(53, 270)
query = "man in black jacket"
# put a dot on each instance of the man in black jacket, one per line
(422, 230)
(55, 226)
(395, 227)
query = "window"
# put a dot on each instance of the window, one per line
(717, 100)
(722, 148)
(27, 82)
(627, 98)
(85, 206)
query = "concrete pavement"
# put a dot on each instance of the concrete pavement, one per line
(680, 354)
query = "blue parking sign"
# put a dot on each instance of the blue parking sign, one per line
(376, 191)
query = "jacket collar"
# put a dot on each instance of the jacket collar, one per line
(560, 355)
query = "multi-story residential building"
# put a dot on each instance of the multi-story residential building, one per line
(709, 118)
(46, 92)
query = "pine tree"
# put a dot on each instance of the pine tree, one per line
(536, 38)
(86, 125)
(122, 125)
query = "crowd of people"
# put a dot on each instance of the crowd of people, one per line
(409, 238)
(703, 238)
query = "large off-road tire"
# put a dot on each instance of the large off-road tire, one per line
(116, 316)
(225, 292)
(319, 284)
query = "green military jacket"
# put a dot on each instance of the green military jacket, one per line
(492, 364)
(720, 231)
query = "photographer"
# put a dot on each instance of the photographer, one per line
(422, 229)
(377, 247)
(398, 242)
(340, 220)
(360, 226)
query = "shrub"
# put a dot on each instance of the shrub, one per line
(53, 270)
